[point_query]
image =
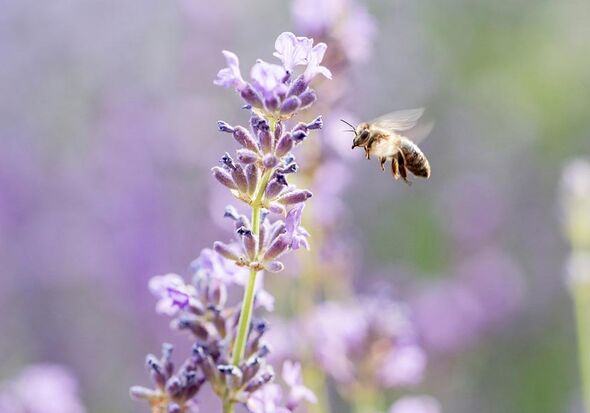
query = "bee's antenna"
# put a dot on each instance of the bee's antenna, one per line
(353, 129)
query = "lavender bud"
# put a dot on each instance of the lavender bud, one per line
(230, 212)
(277, 228)
(219, 320)
(271, 104)
(251, 368)
(259, 381)
(317, 123)
(289, 169)
(225, 251)
(228, 162)
(278, 131)
(217, 293)
(298, 86)
(174, 387)
(194, 387)
(270, 161)
(251, 97)
(260, 327)
(224, 127)
(252, 177)
(206, 363)
(263, 351)
(275, 186)
(254, 119)
(156, 370)
(224, 178)
(141, 393)
(194, 325)
(298, 136)
(308, 98)
(243, 221)
(243, 137)
(277, 208)
(284, 145)
(249, 242)
(290, 105)
(174, 408)
(246, 156)
(295, 197)
(265, 137)
(167, 349)
(274, 266)
(239, 177)
(300, 126)
(257, 123)
(232, 374)
(277, 247)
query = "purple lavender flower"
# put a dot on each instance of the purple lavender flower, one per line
(41, 388)
(267, 400)
(454, 314)
(297, 391)
(343, 337)
(292, 50)
(296, 234)
(403, 366)
(231, 75)
(416, 404)
(229, 351)
(174, 295)
(268, 79)
(274, 92)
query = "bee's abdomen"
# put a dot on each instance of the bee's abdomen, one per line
(415, 160)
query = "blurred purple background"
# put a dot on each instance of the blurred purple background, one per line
(108, 131)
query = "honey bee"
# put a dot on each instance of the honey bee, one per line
(382, 138)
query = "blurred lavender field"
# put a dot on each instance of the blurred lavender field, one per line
(108, 133)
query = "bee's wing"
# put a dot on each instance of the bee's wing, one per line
(403, 121)
(399, 120)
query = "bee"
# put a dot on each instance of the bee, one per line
(382, 139)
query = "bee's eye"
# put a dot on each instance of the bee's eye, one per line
(364, 135)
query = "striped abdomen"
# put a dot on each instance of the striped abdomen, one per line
(415, 160)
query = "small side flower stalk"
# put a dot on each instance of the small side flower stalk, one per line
(229, 350)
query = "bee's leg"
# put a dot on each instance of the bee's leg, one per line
(367, 153)
(395, 167)
(382, 162)
(402, 168)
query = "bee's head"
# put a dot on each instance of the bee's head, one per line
(361, 133)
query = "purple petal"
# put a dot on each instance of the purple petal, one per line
(292, 50)
(231, 75)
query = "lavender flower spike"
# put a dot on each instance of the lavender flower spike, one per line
(229, 350)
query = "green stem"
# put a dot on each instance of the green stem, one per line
(248, 302)
(239, 347)
(245, 316)
(228, 406)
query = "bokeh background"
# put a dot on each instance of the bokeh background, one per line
(108, 131)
